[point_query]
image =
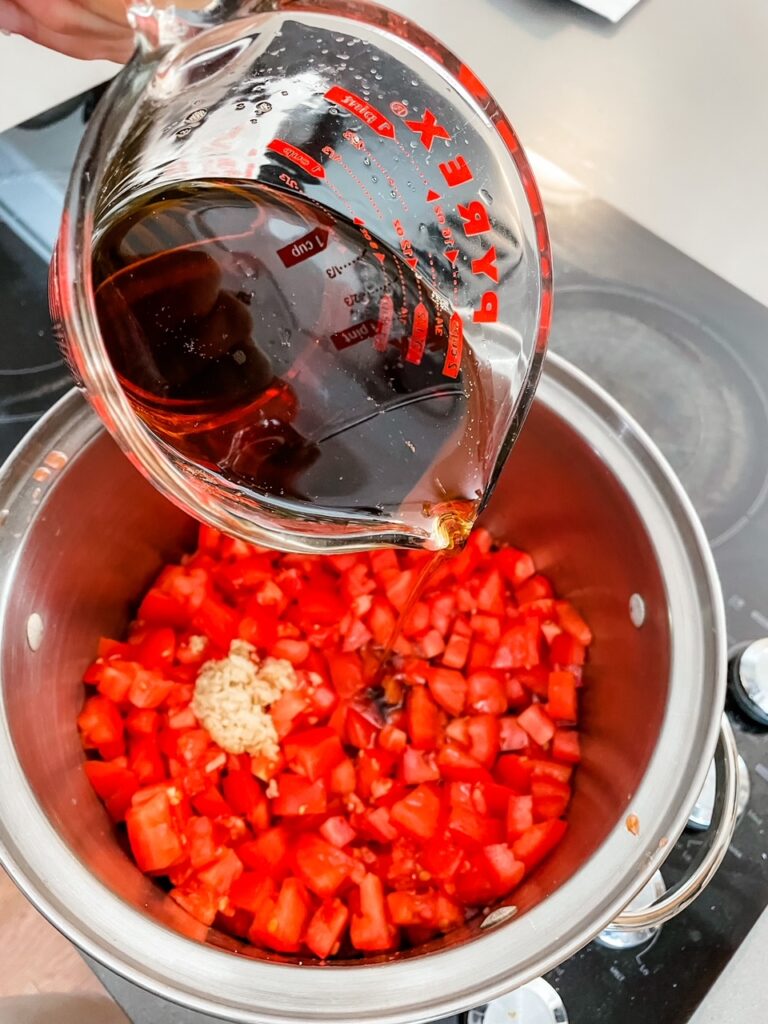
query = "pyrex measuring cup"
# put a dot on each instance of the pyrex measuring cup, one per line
(353, 353)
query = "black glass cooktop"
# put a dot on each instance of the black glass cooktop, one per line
(686, 354)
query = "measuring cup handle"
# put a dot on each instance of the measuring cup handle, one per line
(685, 892)
(158, 23)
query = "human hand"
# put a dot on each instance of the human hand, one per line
(89, 29)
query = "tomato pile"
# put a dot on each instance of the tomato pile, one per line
(402, 801)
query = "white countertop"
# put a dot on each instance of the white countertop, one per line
(663, 115)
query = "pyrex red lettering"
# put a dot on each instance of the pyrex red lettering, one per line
(298, 157)
(475, 217)
(456, 172)
(489, 309)
(361, 109)
(452, 363)
(418, 340)
(487, 265)
(429, 129)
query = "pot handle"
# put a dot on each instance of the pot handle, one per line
(686, 891)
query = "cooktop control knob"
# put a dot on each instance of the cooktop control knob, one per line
(630, 938)
(534, 1003)
(701, 815)
(748, 680)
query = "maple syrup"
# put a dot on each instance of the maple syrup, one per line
(266, 338)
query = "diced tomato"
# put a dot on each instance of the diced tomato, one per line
(321, 866)
(280, 924)
(101, 725)
(511, 735)
(218, 875)
(566, 746)
(487, 628)
(295, 651)
(516, 566)
(337, 831)
(155, 843)
(457, 651)
(250, 890)
(393, 739)
(486, 692)
(419, 766)
(519, 816)
(199, 902)
(406, 794)
(314, 752)
(491, 597)
(562, 705)
(247, 798)
(297, 795)
(422, 719)
(418, 813)
(457, 765)
(550, 798)
(538, 840)
(158, 648)
(441, 857)
(370, 930)
(566, 650)
(519, 646)
(572, 623)
(448, 688)
(537, 724)
(535, 588)
(346, 673)
(343, 777)
(325, 930)
(268, 853)
(515, 772)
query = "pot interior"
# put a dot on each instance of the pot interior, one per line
(101, 532)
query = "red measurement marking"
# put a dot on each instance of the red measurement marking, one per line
(452, 363)
(433, 196)
(398, 109)
(304, 248)
(429, 129)
(475, 217)
(386, 316)
(359, 221)
(452, 254)
(298, 157)
(355, 334)
(488, 313)
(418, 339)
(369, 115)
(380, 256)
(412, 262)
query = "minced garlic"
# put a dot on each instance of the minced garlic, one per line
(232, 696)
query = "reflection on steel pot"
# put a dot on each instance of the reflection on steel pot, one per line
(588, 494)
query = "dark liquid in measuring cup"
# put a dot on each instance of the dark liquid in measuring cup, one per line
(286, 348)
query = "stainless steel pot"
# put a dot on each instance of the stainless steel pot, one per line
(587, 492)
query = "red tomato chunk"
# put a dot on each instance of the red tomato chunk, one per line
(403, 798)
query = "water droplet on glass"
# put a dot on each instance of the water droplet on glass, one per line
(239, 106)
(375, 57)
(367, 161)
(413, 145)
(393, 193)
(486, 195)
(283, 92)
(254, 120)
(374, 179)
(414, 81)
(196, 116)
(264, 107)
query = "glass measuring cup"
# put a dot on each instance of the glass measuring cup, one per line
(394, 290)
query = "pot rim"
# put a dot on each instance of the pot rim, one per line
(215, 982)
